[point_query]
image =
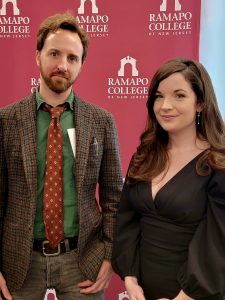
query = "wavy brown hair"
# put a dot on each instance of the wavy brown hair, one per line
(62, 21)
(151, 157)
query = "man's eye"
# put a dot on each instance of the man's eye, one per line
(73, 59)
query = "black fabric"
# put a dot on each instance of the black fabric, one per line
(177, 241)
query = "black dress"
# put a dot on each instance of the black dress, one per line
(177, 241)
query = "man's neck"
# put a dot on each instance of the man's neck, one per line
(53, 98)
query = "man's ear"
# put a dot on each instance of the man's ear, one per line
(38, 58)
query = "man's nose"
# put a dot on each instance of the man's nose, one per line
(62, 65)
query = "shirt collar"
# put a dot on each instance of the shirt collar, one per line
(40, 100)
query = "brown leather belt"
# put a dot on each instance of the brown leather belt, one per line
(66, 245)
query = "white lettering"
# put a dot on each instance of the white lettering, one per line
(14, 20)
(170, 26)
(95, 28)
(128, 81)
(92, 19)
(162, 17)
(14, 29)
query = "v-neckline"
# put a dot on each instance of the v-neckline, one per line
(173, 177)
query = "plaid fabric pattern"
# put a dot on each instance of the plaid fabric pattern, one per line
(97, 162)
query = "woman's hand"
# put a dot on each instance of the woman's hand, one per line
(135, 292)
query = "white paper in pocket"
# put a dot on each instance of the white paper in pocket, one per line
(72, 137)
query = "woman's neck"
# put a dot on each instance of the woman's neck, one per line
(185, 143)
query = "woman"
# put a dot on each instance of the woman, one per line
(170, 238)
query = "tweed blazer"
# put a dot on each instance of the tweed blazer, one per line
(97, 164)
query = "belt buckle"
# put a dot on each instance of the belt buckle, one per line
(50, 254)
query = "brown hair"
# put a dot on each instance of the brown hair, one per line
(151, 156)
(64, 21)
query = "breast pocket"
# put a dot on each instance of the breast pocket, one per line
(93, 164)
(95, 152)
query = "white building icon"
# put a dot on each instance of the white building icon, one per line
(81, 8)
(128, 60)
(16, 11)
(123, 296)
(177, 5)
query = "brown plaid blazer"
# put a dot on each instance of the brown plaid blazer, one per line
(95, 165)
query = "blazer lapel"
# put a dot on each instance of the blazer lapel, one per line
(83, 135)
(26, 116)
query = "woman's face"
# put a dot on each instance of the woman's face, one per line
(175, 105)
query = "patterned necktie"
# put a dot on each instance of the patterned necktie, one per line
(53, 183)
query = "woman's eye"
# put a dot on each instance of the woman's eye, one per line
(180, 96)
(158, 96)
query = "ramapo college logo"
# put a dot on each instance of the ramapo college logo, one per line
(34, 83)
(15, 26)
(123, 296)
(163, 23)
(128, 87)
(96, 24)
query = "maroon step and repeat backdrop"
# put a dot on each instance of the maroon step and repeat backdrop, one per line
(129, 41)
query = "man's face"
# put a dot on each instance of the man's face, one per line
(60, 60)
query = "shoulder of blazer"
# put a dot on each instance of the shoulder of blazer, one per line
(12, 107)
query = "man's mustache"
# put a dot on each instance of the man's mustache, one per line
(61, 74)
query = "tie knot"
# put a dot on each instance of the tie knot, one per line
(55, 112)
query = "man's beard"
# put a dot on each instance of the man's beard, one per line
(57, 85)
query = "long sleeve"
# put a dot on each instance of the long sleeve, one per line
(110, 184)
(3, 185)
(125, 257)
(203, 275)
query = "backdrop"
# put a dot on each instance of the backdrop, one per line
(129, 41)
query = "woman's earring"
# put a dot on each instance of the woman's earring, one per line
(198, 117)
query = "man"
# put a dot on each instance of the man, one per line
(56, 235)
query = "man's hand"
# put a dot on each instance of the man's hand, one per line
(3, 289)
(102, 281)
